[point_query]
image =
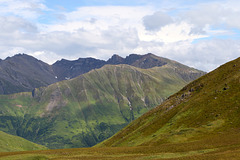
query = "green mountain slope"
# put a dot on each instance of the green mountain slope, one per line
(204, 113)
(92, 107)
(10, 143)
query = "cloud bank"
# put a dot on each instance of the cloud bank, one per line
(203, 35)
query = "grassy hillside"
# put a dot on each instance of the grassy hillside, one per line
(177, 151)
(84, 111)
(205, 112)
(14, 143)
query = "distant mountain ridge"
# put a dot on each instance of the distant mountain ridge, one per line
(65, 69)
(141, 61)
(22, 73)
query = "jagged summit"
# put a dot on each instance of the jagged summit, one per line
(115, 59)
(66, 69)
(141, 61)
(70, 69)
(24, 73)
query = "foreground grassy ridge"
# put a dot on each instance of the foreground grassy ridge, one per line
(90, 108)
(205, 108)
(207, 149)
(14, 143)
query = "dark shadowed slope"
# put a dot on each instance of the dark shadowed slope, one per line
(65, 69)
(205, 112)
(23, 73)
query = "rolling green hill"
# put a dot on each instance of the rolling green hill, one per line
(86, 110)
(204, 114)
(10, 143)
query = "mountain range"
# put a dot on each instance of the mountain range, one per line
(23, 73)
(87, 109)
(65, 69)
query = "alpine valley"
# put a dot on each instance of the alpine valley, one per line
(200, 122)
(96, 99)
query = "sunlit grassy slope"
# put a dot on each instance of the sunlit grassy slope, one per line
(227, 149)
(14, 143)
(84, 111)
(205, 112)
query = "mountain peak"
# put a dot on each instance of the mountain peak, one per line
(23, 58)
(115, 59)
(116, 56)
(150, 54)
(23, 73)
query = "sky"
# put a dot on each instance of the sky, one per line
(203, 34)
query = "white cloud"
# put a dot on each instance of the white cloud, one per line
(215, 14)
(94, 30)
(28, 9)
(47, 56)
(171, 33)
(205, 55)
(156, 21)
(11, 24)
(112, 12)
(101, 18)
(104, 30)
